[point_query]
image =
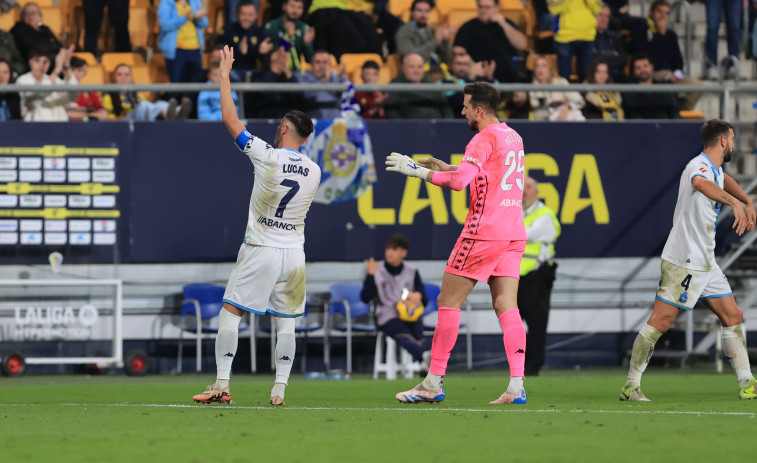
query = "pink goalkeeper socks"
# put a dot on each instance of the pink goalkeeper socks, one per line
(515, 341)
(445, 336)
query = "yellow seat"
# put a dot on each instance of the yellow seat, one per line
(142, 21)
(141, 74)
(9, 19)
(457, 18)
(43, 3)
(95, 75)
(393, 65)
(305, 66)
(111, 60)
(445, 6)
(531, 61)
(698, 115)
(53, 18)
(399, 7)
(88, 57)
(353, 61)
(511, 5)
(158, 71)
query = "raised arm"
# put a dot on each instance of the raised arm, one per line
(456, 179)
(228, 109)
(715, 193)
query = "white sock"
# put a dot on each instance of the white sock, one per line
(285, 346)
(515, 386)
(432, 382)
(643, 348)
(734, 347)
(278, 390)
(226, 346)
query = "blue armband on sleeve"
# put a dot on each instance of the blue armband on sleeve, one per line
(242, 139)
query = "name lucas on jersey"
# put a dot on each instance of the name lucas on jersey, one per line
(276, 224)
(294, 169)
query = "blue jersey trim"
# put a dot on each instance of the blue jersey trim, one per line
(257, 312)
(242, 139)
(672, 303)
(715, 296)
(715, 170)
(697, 175)
(290, 149)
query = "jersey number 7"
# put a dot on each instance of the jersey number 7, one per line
(512, 165)
(294, 187)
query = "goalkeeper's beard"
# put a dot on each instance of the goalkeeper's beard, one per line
(473, 125)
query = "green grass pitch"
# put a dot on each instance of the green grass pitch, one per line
(570, 416)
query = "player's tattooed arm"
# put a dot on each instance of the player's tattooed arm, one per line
(715, 193)
(732, 187)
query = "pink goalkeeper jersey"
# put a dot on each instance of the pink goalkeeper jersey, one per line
(496, 192)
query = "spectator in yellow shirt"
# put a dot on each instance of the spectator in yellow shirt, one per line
(576, 30)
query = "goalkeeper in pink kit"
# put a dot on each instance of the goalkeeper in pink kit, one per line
(491, 244)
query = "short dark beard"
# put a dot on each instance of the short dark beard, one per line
(421, 25)
(289, 18)
(727, 155)
(473, 125)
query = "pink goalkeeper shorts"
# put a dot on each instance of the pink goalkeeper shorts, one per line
(482, 259)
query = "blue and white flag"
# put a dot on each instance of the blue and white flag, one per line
(342, 148)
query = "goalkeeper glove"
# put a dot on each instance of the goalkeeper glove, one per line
(405, 165)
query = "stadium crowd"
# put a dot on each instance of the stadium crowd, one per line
(544, 42)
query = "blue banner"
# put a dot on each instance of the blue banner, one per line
(185, 188)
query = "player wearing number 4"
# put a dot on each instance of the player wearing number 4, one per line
(491, 244)
(689, 270)
(269, 275)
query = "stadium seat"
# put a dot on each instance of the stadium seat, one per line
(399, 7)
(393, 65)
(158, 70)
(354, 61)
(9, 19)
(42, 3)
(385, 359)
(141, 26)
(344, 308)
(306, 66)
(457, 18)
(111, 60)
(202, 302)
(445, 6)
(53, 17)
(688, 114)
(95, 75)
(141, 74)
(89, 58)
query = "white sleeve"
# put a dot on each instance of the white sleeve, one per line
(699, 169)
(254, 147)
(542, 230)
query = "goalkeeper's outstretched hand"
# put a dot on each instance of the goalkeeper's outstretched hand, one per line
(405, 165)
(436, 165)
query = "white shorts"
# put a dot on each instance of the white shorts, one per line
(266, 279)
(682, 287)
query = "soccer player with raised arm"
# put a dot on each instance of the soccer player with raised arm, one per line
(269, 276)
(689, 270)
(491, 244)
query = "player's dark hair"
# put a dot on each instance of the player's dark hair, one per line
(398, 240)
(287, 1)
(301, 122)
(370, 64)
(483, 94)
(713, 130)
(590, 79)
(658, 3)
(243, 3)
(77, 62)
(430, 4)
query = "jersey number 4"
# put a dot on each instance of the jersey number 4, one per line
(514, 165)
(294, 187)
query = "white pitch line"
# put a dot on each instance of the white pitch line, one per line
(419, 409)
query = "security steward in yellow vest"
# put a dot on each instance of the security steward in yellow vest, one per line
(537, 273)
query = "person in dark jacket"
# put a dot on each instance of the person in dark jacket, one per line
(415, 105)
(29, 33)
(248, 40)
(648, 105)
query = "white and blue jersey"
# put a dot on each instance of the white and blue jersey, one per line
(691, 242)
(285, 184)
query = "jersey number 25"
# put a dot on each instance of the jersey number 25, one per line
(513, 166)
